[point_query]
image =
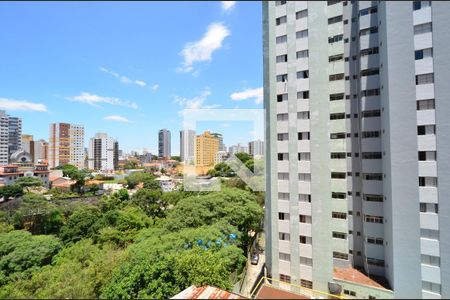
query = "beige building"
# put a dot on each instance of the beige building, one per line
(206, 147)
(66, 145)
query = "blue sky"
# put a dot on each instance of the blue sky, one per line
(129, 68)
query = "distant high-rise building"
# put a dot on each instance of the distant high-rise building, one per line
(66, 145)
(256, 148)
(222, 146)
(15, 134)
(206, 148)
(187, 145)
(164, 144)
(10, 136)
(220, 157)
(238, 148)
(357, 143)
(103, 153)
(27, 144)
(40, 151)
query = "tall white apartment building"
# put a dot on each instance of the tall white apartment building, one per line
(256, 148)
(357, 146)
(102, 153)
(40, 151)
(164, 144)
(187, 145)
(10, 136)
(66, 145)
(237, 148)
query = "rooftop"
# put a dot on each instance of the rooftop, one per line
(206, 292)
(268, 291)
(356, 276)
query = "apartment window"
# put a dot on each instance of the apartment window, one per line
(372, 92)
(350, 293)
(303, 74)
(283, 236)
(283, 216)
(335, 77)
(335, 38)
(369, 72)
(334, 20)
(426, 129)
(339, 215)
(304, 198)
(368, 11)
(421, 54)
(279, 3)
(432, 208)
(284, 256)
(420, 4)
(374, 240)
(306, 261)
(332, 2)
(303, 115)
(283, 176)
(423, 28)
(306, 283)
(282, 117)
(373, 219)
(370, 113)
(283, 136)
(431, 287)
(373, 198)
(305, 219)
(303, 95)
(367, 31)
(283, 156)
(339, 135)
(285, 278)
(375, 262)
(304, 177)
(280, 20)
(336, 58)
(301, 34)
(424, 78)
(369, 51)
(373, 176)
(338, 175)
(281, 39)
(337, 155)
(427, 155)
(282, 78)
(301, 14)
(337, 116)
(370, 134)
(334, 97)
(429, 234)
(305, 156)
(340, 255)
(338, 195)
(283, 196)
(282, 58)
(303, 136)
(425, 104)
(339, 235)
(305, 240)
(282, 97)
(302, 54)
(371, 155)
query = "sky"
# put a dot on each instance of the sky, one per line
(130, 68)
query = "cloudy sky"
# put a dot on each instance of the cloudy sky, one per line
(129, 69)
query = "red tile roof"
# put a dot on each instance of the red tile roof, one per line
(268, 291)
(206, 292)
(353, 275)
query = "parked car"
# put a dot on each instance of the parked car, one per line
(255, 259)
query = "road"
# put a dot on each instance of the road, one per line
(254, 270)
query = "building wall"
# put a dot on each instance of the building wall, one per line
(187, 145)
(66, 145)
(102, 153)
(256, 148)
(164, 144)
(206, 148)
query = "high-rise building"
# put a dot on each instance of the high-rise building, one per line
(164, 144)
(66, 145)
(187, 145)
(238, 148)
(15, 134)
(10, 136)
(256, 148)
(27, 144)
(206, 148)
(103, 153)
(40, 151)
(222, 146)
(357, 143)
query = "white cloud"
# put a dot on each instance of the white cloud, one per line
(155, 87)
(195, 102)
(12, 104)
(95, 100)
(122, 78)
(117, 118)
(227, 5)
(257, 94)
(202, 50)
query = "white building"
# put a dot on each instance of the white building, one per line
(66, 145)
(220, 157)
(102, 153)
(187, 146)
(10, 136)
(164, 144)
(357, 137)
(256, 148)
(237, 148)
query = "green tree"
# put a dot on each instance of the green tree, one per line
(250, 164)
(28, 181)
(12, 190)
(80, 224)
(150, 201)
(138, 177)
(242, 156)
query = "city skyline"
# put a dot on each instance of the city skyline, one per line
(95, 76)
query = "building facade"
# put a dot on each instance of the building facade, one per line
(164, 144)
(206, 148)
(103, 153)
(256, 148)
(222, 146)
(66, 145)
(10, 136)
(187, 146)
(356, 113)
(40, 153)
(237, 148)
